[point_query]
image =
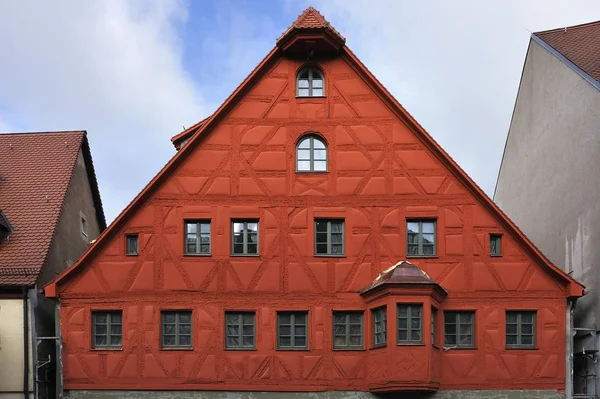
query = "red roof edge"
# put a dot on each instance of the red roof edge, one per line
(575, 288)
(51, 289)
(187, 133)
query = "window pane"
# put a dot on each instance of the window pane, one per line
(428, 227)
(402, 335)
(412, 227)
(233, 341)
(204, 249)
(527, 317)
(115, 329)
(248, 318)
(232, 318)
(100, 340)
(355, 329)
(191, 228)
(185, 329)
(466, 340)
(185, 340)
(305, 143)
(527, 340)
(205, 228)
(450, 328)
(317, 83)
(428, 250)
(322, 248)
(303, 83)
(415, 311)
(115, 340)
(100, 318)
(415, 323)
(300, 341)
(284, 318)
(253, 227)
(248, 341)
(238, 227)
(169, 329)
(450, 339)
(252, 248)
(233, 330)
(428, 238)
(355, 317)
(465, 329)
(169, 340)
(511, 339)
(115, 317)
(320, 166)
(526, 329)
(285, 330)
(185, 317)
(303, 155)
(336, 249)
(511, 328)
(317, 92)
(355, 340)
(450, 317)
(303, 92)
(402, 311)
(413, 238)
(300, 318)
(303, 165)
(321, 226)
(415, 335)
(285, 341)
(318, 144)
(238, 248)
(339, 341)
(248, 330)
(101, 329)
(337, 227)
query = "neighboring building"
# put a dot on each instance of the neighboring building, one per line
(549, 182)
(269, 255)
(50, 211)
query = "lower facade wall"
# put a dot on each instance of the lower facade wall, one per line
(496, 394)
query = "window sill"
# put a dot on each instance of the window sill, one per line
(310, 172)
(524, 348)
(131, 254)
(452, 348)
(240, 349)
(496, 256)
(378, 346)
(349, 349)
(200, 255)
(329, 256)
(293, 349)
(422, 256)
(245, 255)
(176, 349)
(107, 349)
(309, 97)
(409, 343)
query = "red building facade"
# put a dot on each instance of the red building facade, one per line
(268, 254)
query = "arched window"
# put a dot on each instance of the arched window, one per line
(310, 83)
(311, 154)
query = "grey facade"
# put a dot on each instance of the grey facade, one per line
(549, 180)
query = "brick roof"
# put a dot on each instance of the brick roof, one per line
(311, 19)
(579, 44)
(35, 171)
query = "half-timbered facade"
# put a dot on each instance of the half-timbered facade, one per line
(311, 236)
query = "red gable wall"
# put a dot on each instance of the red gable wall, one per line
(380, 174)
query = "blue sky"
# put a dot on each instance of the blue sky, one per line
(134, 72)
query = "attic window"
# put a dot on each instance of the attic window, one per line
(310, 83)
(83, 224)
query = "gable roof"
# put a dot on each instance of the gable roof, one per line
(311, 20)
(575, 288)
(578, 44)
(35, 172)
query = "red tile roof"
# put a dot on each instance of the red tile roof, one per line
(35, 171)
(401, 273)
(579, 44)
(311, 19)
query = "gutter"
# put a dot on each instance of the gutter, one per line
(25, 344)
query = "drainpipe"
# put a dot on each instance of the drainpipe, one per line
(569, 350)
(25, 344)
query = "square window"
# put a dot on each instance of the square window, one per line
(197, 237)
(420, 238)
(410, 323)
(107, 329)
(379, 326)
(347, 330)
(292, 330)
(459, 329)
(244, 237)
(240, 330)
(495, 245)
(520, 329)
(176, 327)
(329, 237)
(131, 241)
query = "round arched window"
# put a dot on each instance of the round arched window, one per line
(310, 83)
(311, 154)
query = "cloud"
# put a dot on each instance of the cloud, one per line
(454, 65)
(113, 68)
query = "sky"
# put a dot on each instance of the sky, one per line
(134, 73)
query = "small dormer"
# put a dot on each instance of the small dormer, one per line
(311, 36)
(5, 227)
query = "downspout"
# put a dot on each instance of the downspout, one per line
(25, 344)
(569, 350)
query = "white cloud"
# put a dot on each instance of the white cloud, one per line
(454, 65)
(113, 68)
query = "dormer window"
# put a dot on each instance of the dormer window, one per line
(310, 83)
(311, 155)
(5, 227)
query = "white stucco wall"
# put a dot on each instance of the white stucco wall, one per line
(11, 349)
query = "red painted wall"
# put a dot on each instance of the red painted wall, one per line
(380, 173)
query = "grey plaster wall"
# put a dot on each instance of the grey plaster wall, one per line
(313, 395)
(549, 181)
(67, 245)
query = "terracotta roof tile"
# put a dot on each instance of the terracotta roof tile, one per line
(402, 272)
(35, 171)
(311, 19)
(579, 44)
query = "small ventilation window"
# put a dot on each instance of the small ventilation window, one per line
(5, 227)
(495, 245)
(132, 243)
(310, 83)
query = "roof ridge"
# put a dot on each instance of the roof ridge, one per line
(46, 132)
(578, 26)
